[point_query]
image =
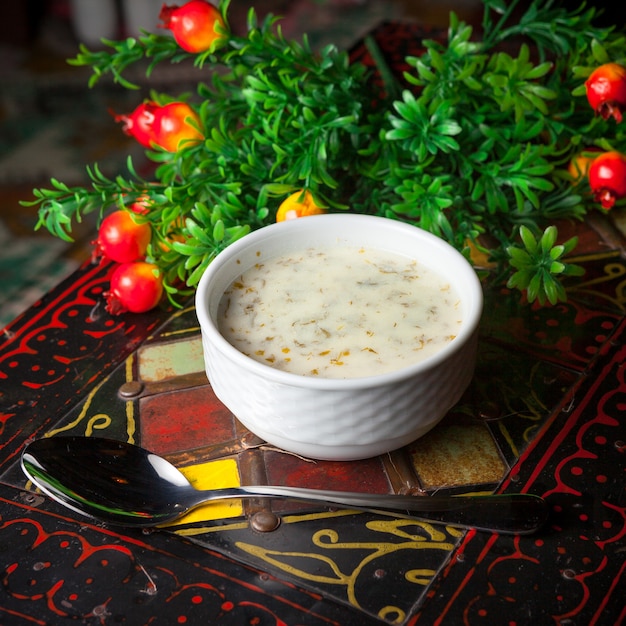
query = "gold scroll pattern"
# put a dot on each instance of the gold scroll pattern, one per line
(323, 566)
(613, 273)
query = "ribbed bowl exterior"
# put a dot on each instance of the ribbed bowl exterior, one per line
(339, 419)
(340, 424)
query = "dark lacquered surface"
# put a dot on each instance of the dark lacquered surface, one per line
(544, 415)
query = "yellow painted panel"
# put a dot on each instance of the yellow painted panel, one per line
(213, 475)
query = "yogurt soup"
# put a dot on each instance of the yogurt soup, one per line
(339, 312)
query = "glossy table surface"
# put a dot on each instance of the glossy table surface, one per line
(545, 414)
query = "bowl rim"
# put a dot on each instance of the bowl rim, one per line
(210, 330)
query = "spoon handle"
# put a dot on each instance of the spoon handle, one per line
(515, 513)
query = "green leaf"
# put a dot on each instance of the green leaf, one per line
(528, 239)
(548, 239)
(599, 52)
(218, 231)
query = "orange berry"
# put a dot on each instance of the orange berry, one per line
(578, 167)
(297, 205)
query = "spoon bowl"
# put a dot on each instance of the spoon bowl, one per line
(120, 483)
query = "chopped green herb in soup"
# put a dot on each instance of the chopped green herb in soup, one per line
(339, 312)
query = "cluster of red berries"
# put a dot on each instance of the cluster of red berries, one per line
(606, 93)
(123, 238)
(135, 285)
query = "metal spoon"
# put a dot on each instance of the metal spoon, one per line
(120, 483)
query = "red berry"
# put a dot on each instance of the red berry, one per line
(121, 238)
(135, 287)
(176, 124)
(138, 124)
(168, 126)
(141, 206)
(607, 177)
(195, 25)
(606, 90)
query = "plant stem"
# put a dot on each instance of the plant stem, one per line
(491, 38)
(392, 88)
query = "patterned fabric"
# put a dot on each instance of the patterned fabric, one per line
(29, 266)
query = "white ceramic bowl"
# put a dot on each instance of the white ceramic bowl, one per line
(339, 419)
